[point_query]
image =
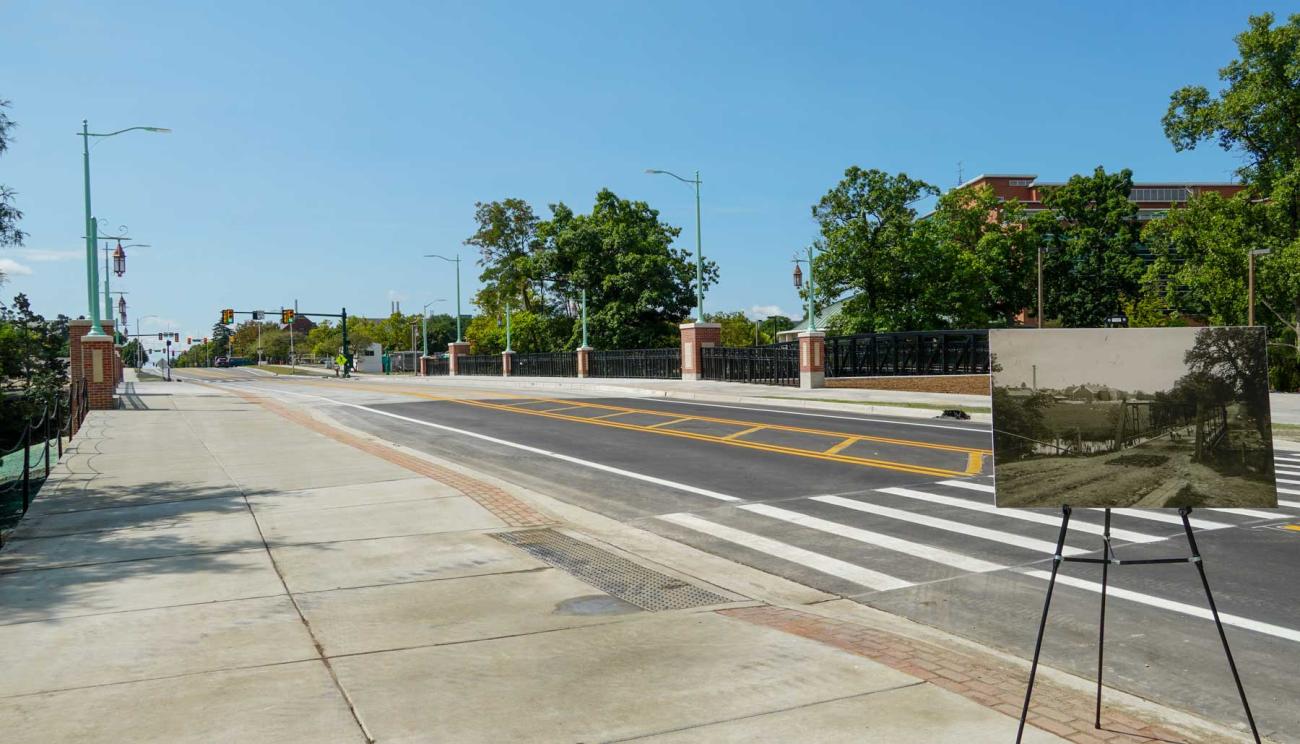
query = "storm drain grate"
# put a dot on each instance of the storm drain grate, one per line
(613, 574)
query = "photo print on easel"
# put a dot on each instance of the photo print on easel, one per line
(1131, 417)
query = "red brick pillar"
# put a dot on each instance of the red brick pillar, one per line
(696, 336)
(93, 360)
(584, 360)
(456, 350)
(812, 359)
(507, 362)
(422, 362)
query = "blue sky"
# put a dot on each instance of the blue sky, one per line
(319, 149)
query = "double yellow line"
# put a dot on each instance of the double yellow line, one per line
(974, 456)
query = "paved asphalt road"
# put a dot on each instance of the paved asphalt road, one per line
(893, 513)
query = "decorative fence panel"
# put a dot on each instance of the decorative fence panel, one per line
(26, 464)
(479, 364)
(920, 353)
(777, 364)
(437, 365)
(662, 364)
(545, 364)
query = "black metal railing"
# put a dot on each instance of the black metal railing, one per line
(479, 364)
(777, 364)
(437, 365)
(919, 353)
(660, 364)
(25, 466)
(545, 364)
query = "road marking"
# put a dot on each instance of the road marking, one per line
(1288, 482)
(1252, 513)
(1289, 504)
(1152, 515)
(968, 485)
(900, 422)
(918, 550)
(1246, 623)
(947, 525)
(840, 446)
(750, 430)
(1292, 527)
(1021, 514)
(816, 561)
(561, 408)
(609, 415)
(670, 423)
(974, 463)
(534, 450)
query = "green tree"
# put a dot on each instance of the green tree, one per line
(981, 255)
(737, 328)
(1091, 267)
(772, 325)
(867, 225)
(10, 235)
(441, 330)
(134, 354)
(638, 286)
(220, 340)
(508, 246)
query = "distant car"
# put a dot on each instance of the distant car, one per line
(221, 362)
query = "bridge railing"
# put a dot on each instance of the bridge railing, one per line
(544, 364)
(662, 364)
(479, 364)
(776, 364)
(25, 463)
(916, 353)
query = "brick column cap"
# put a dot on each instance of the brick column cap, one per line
(585, 348)
(812, 334)
(685, 326)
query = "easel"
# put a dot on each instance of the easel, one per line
(1108, 558)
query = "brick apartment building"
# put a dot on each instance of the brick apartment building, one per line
(1153, 199)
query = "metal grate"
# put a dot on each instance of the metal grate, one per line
(613, 574)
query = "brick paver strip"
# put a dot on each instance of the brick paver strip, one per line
(979, 677)
(505, 507)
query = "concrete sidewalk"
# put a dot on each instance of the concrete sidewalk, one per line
(209, 567)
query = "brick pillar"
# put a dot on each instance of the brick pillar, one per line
(456, 350)
(93, 358)
(507, 363)
(584, 360)
(696, 336)
(812, 359)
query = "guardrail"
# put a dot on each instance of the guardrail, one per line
(21, 479)
(777, 364)
(544, 364)
(918, 353)
(479, 364)
(659, 364)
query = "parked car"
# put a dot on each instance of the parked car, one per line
(221, 362)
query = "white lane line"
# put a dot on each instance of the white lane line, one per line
(1246, 623)
(785, 412)
(534, 450)
(1253, 513)
(969, 486)
(786, 552)
(927, 552)
(948, 525)
(1021, 514)
(1152, 515)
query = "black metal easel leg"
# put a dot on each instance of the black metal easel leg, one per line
(1042, 623)
(1101, 633)
(1184, 512)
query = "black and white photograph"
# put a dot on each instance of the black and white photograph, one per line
(1132, 417)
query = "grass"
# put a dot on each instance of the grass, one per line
(281, 369)
(149, 376)
(895, 404)
(1290, 432)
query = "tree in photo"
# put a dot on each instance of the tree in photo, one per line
(1230, 360)
(868, 236)
(1091, 267)
(10, 235)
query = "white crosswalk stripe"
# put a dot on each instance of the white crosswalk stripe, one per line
(1159, 515)
(1256, 513)
(1021, 514)
(918, 550)
(947, 525)
(823, 563)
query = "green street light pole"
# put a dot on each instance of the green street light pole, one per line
(508, 327)
(424, 327)
(92, 279)
(584, 318)
(456, 261)
(699, 249)
(812, 288)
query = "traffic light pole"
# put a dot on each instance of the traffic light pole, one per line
(261, 314)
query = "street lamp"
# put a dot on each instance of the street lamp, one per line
(812, 288)
(96, 329)
(424, 332)
(456, 261)
(699, 250)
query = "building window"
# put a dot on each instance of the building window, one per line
(1162, 194)
(1020, 181)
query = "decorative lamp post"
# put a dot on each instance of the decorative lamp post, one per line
(812, 288)
(119, 260)
(456, 261)
(92, 269)
(424, 327)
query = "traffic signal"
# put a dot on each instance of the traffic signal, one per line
(160, 337)
(188, 340)
(227, 316)
(286, 317)
(205, 339)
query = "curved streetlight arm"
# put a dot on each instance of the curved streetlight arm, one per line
(159, 130)
(456, 261)
(654, 171)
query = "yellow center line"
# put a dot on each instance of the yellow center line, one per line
(840, 446)
(750, 430)
(1292, 527)
(669, 423)
(602, 420)
(974, 463)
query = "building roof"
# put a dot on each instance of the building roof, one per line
(825, 317)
